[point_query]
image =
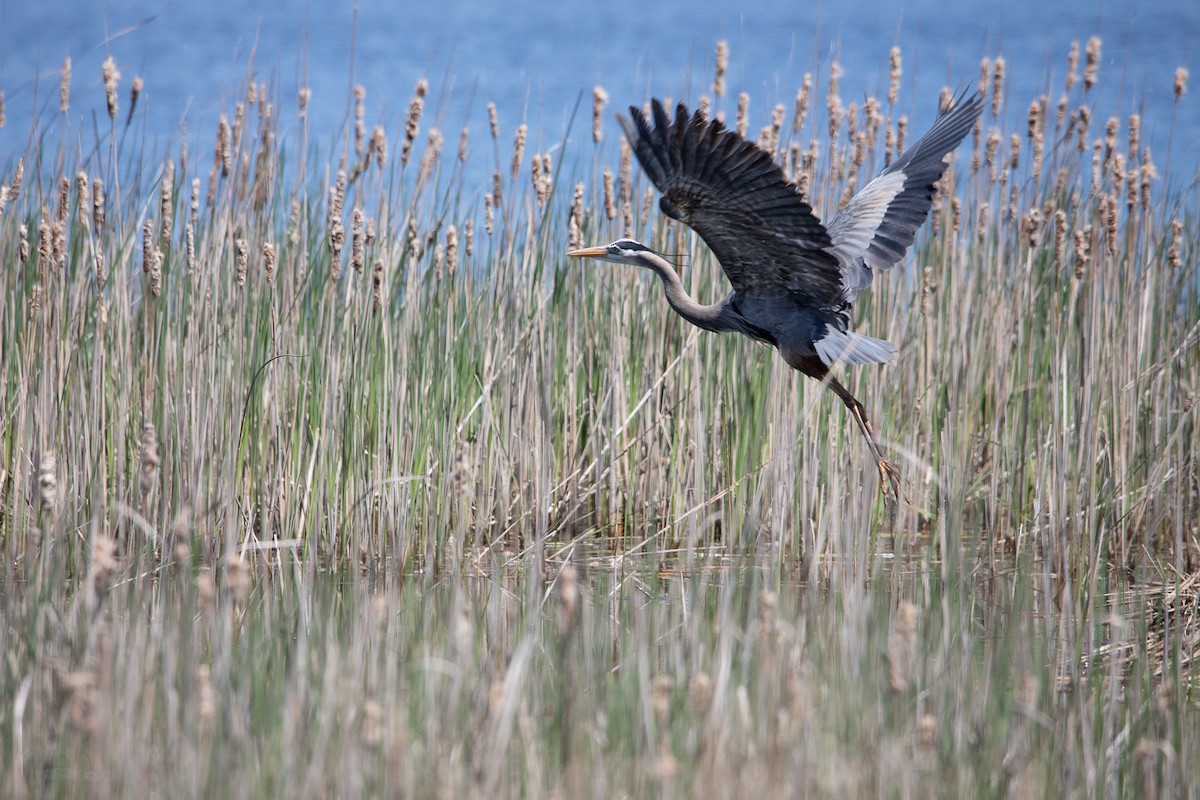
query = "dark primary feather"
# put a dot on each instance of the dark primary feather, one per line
(735, 196)
(758, 225)
(878, 225)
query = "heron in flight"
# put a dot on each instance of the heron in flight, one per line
(794, 279)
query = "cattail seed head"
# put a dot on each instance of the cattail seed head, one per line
(1091, 62)
(743, 108)
(1060, 234)
(893, 76)
(111, 77)
(64, 86)
(83, 204)
(722, 64)
(156, 265)
(148, 467)
(223, 155)
(413, 121)
(377, 284)
(803, 99)
(360, 128)
(242, 251)
(269, 262)
(357, 234)
(610, 206)
(997, 84)
(147, 244)
(47, 480)
(599, 98)
(135, 91)
(1175, 251)
(518, 150)
(451, 250)
(1072, 65)
(167, 201)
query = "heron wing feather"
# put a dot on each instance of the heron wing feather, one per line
(879, 224)
(736, 198)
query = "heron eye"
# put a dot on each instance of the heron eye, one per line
(612, 248)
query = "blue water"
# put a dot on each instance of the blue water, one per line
(536, 62)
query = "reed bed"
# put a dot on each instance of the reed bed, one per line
(324, 471)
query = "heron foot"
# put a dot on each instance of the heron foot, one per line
(889, 478)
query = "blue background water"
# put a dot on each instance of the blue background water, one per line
(536, 61)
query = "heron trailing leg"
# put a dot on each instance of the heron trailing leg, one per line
(889, 475)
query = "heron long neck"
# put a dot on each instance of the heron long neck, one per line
(710, 318)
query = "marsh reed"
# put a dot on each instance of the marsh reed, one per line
(434, 511)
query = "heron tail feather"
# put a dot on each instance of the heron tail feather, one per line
(853, 348)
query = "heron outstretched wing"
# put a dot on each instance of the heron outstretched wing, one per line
(735, 196)
(878, 225)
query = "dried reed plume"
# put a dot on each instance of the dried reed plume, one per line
(451, 250)
(575, 219)
(357, 234)
(360, 127)
(337, 233)
(489, 214)
(304, 96)
(1091, 62)
(610, 207)
(111, 77)
(377, 284)
(135, 91)
(147, 244)
(23, 243)
(64, 86)
(47, 480)
(462, 145)
(148, 467)
(493, 123)
(928, 287)
(167, 202)
(718, 85)
(1060, 235)
(242, 255)
(599, 99)
(83, 205)
(893, 76)
(269, 262)
(743, 108)
(518, 150)
(1072, 65)
(1181, 79)
(997, 84)
(3, 119)
(1175, 251)
(413, 122)
(223, 155)
(803, 99)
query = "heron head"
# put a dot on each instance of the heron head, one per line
(622, 251)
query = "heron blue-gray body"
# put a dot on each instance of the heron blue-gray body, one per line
(794, 279)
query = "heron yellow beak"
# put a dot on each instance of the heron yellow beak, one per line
(588, 252)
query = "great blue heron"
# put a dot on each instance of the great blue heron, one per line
(793, 278)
